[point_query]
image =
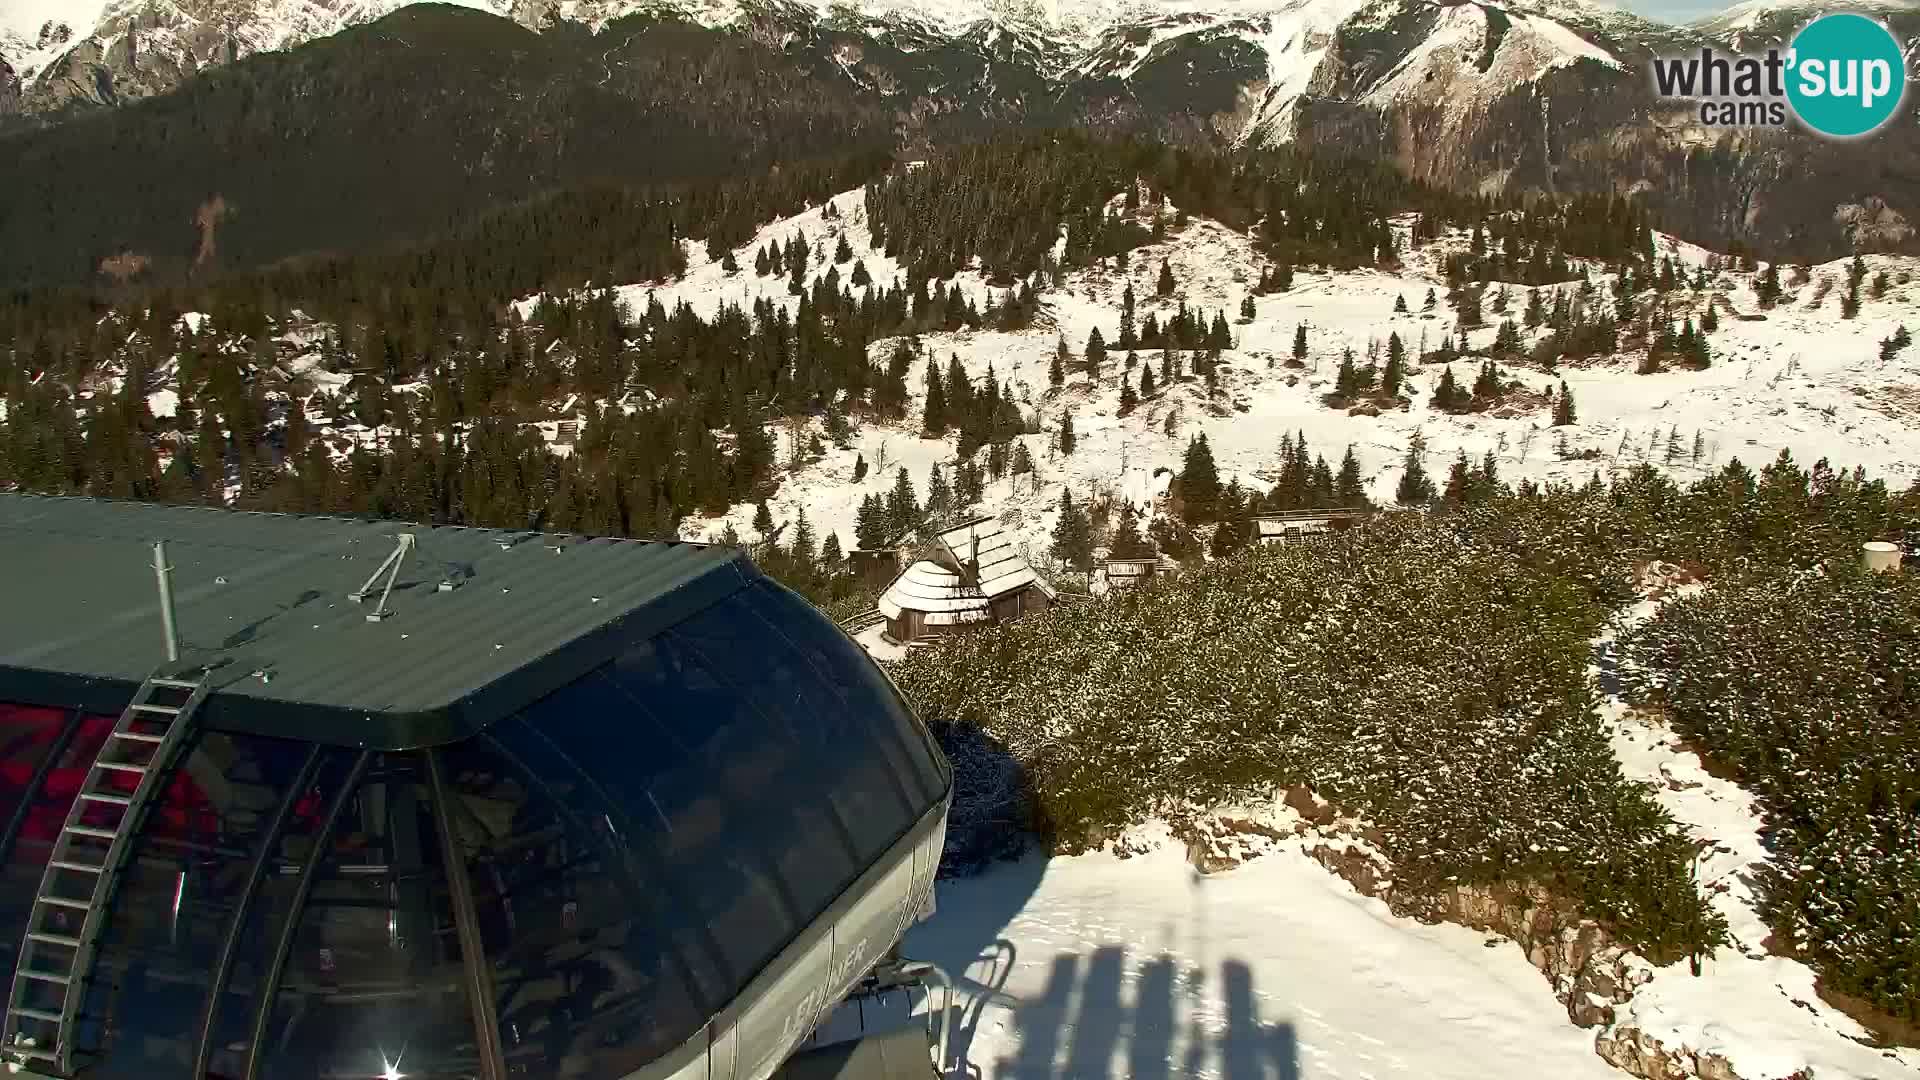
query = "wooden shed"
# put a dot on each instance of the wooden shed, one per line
(1131, 573)
(1300, 526)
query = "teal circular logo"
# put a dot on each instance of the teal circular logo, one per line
(1847, 75)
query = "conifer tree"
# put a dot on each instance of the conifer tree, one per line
(1347, 382)
(830, 554)
(939, 496)
(1487, 383)
(1146, 381)
(1127, 338)
(1066, 431)
(871, 528)
(842, 252)
(1096, 354)
(1073, 535)
(1891, 346)
(1399, 304)
(763, 522)
(1767, 288)
(903, 506)
(1396, 370)
(934, 420)
(1199, 483)
(1164, 286)
(1415, 487)
(1459, 479)
(1506, 340)
(1349, 489)
(1563, 408)
(968, 484)
(1127, 541)
(803, 552)
(1447, 395)
(1300, 342)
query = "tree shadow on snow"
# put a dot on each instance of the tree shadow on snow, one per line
(1094, 1019)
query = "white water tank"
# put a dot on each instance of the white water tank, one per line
(1880, 555)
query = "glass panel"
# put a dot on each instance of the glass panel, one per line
(874, 709)
(847, 803)
(27, 734)
(702, 762)
(267, 914)
(176, 902)
(30, 734)
(586, 983)
(628, 830)
(374, 983)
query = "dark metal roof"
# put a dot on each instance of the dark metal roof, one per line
(80, 614)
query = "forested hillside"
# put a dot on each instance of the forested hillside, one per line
(429, 355)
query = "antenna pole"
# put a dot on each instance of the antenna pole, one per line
(163, 574)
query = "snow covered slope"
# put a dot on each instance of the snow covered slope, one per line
(1798, 377)
(1094, 966)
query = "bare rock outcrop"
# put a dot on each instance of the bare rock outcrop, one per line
(1642, 1055)
(9, 90)
(1589, 972)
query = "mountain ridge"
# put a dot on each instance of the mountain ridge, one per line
(1482, 96)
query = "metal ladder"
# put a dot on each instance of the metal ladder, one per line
(56, 957)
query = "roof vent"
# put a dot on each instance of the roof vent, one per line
(1881, 556)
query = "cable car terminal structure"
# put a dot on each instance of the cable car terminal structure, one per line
(303, 798)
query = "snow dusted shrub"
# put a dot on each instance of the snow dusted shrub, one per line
(1427, 674)
(1807, 685)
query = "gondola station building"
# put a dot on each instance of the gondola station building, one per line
(291, 798)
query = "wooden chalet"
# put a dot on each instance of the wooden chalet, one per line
(974, 575)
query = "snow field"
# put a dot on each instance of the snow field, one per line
(1801, 378)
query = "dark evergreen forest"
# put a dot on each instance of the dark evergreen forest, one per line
(432, 116)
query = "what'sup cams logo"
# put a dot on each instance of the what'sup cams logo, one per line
(1842, 76)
